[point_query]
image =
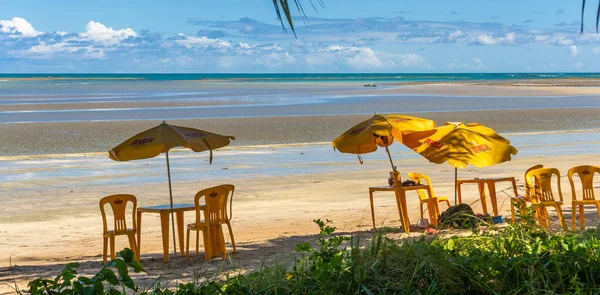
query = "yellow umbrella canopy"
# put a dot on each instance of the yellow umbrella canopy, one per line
(162, 138)
(461, 144)
(379, 130)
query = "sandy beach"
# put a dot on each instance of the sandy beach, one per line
(285, 172)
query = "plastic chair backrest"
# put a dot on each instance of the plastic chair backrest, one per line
(230, 188)
(215, 199)
(543, 184)
(586, 175)
(118, 204)
(529, 187)
(418, 178)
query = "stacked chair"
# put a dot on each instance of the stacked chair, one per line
(586, 175)
(210, 217)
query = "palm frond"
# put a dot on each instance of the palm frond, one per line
(282, 8)
(597, 17)
(582, 13)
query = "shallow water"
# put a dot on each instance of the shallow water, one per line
(76, 101)
(234, 163)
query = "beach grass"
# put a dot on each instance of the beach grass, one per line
(516, 259)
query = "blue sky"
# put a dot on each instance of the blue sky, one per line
(343, 36)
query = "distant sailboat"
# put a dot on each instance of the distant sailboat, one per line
(370, 85)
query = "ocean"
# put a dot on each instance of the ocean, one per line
(326, 77)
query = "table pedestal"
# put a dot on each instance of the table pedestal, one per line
(400, 194)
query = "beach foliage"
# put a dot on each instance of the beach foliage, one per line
(516, 259)
(283, 10)
(112, 279)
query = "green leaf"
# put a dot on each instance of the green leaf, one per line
(127, 255)
(137, 267)
(303, 247)
(110, 277)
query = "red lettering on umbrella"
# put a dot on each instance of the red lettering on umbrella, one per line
(434, 143)
(480, 148)
(142, 141)
(195, 134)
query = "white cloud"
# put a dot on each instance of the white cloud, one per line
(206, 43)
(455, 35)
(275, 60)
(364, 58)
(486, 39)
(574, 50)
(18, 27)
(478, 63)
(106, 35)
(48, 51)
(475, 64)
(411, 60)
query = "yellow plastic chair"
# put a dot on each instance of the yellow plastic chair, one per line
(586, 175)
(118, 204)
(209, 220)
(418, 178)
(230, 188)
(544, 196)
(527, 198)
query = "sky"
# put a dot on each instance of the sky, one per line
(244, 36)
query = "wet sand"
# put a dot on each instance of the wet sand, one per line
(82, 137)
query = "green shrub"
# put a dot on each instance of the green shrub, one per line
(519, 259)
(106, 281)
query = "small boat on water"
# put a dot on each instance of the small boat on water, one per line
(370, 85)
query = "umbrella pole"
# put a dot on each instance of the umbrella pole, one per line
(455, 186)
(390, 157)
(171, 199)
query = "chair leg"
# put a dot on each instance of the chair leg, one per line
(573, 217)
(560, 217)
(207, 243)
(104, 249)
(421, 210)
(512, 211)
(132, 245)
(112, 247)
(223, 246)
(187, 245)
(197, 242)
(542, 215)
(231, 236)
(581, 217)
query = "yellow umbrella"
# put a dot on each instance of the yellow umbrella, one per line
(162, 138)
(460, 145)
(379, 130)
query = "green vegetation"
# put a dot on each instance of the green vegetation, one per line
(106, 281)
(518, 259)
